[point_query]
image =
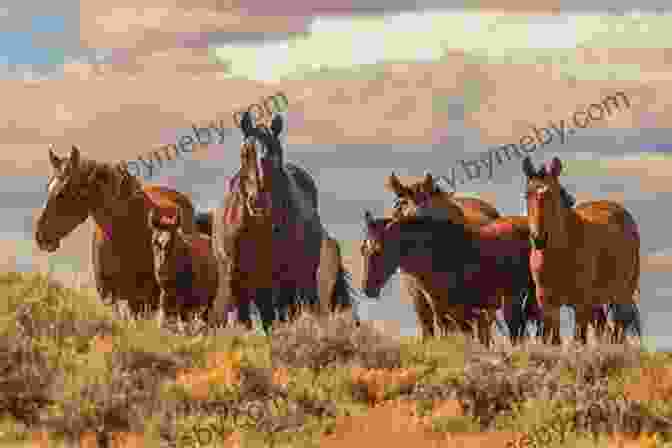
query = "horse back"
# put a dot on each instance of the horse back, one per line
(506, 227)
(477, 209)
(608, 218)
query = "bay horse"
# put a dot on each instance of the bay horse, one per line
(426, 198)
(458, 268)
(270, 234)
(582, 256)
(119, 205)
(334, 279)
(184, 265)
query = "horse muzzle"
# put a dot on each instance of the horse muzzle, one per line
(46, 244)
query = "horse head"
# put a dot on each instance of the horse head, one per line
(547, 202)
(380, 253)
(261, 160)
(76, 188)
(422, 198)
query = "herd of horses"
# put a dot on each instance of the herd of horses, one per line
(459, 260)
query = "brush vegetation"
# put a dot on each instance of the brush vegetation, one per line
(75, 370)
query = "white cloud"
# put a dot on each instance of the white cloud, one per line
(337, 42)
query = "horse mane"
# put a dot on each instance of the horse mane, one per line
(126, 184)
(568, 199)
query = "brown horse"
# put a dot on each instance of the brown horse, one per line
(269, 236)
(456, 269)
(581, 256)
(119, 204)
(184, 265)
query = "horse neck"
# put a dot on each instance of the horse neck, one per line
(559, 235)
(126, 213)
(419, 259)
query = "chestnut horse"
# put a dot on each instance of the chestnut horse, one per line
(457, 268)
(119, 204)
(426, 198)
(185, 266)
(581, 256)
(270, 235)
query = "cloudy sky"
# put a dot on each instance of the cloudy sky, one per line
(408, 87)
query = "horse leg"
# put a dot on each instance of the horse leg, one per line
(485, 319)
(584, 316)
(551, 321)
(286, 303)
(264, 301)
(327, 273)
(459, 314)
(244, 313)
(145, 298)
(224, 300)
(425, 313)
(600, 313)
(512, 308)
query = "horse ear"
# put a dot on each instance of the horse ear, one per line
(178, 217)
(368, 218)
(555, 167)
(428, 182)
(74, 158)
(276, 125)
(246, 124)
(393, 185)
(53, 158)
(528, 168)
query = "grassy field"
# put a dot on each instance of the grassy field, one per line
(74, 370)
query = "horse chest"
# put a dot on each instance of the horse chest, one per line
(564, 269)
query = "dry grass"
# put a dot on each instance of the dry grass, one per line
(75, 371)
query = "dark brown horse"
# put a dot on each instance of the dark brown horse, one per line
(582, 256)
(185, 266)
(270, 236)
(119, 205)
(458, 269)
(426, 199)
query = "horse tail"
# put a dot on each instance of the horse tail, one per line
(634, 284)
